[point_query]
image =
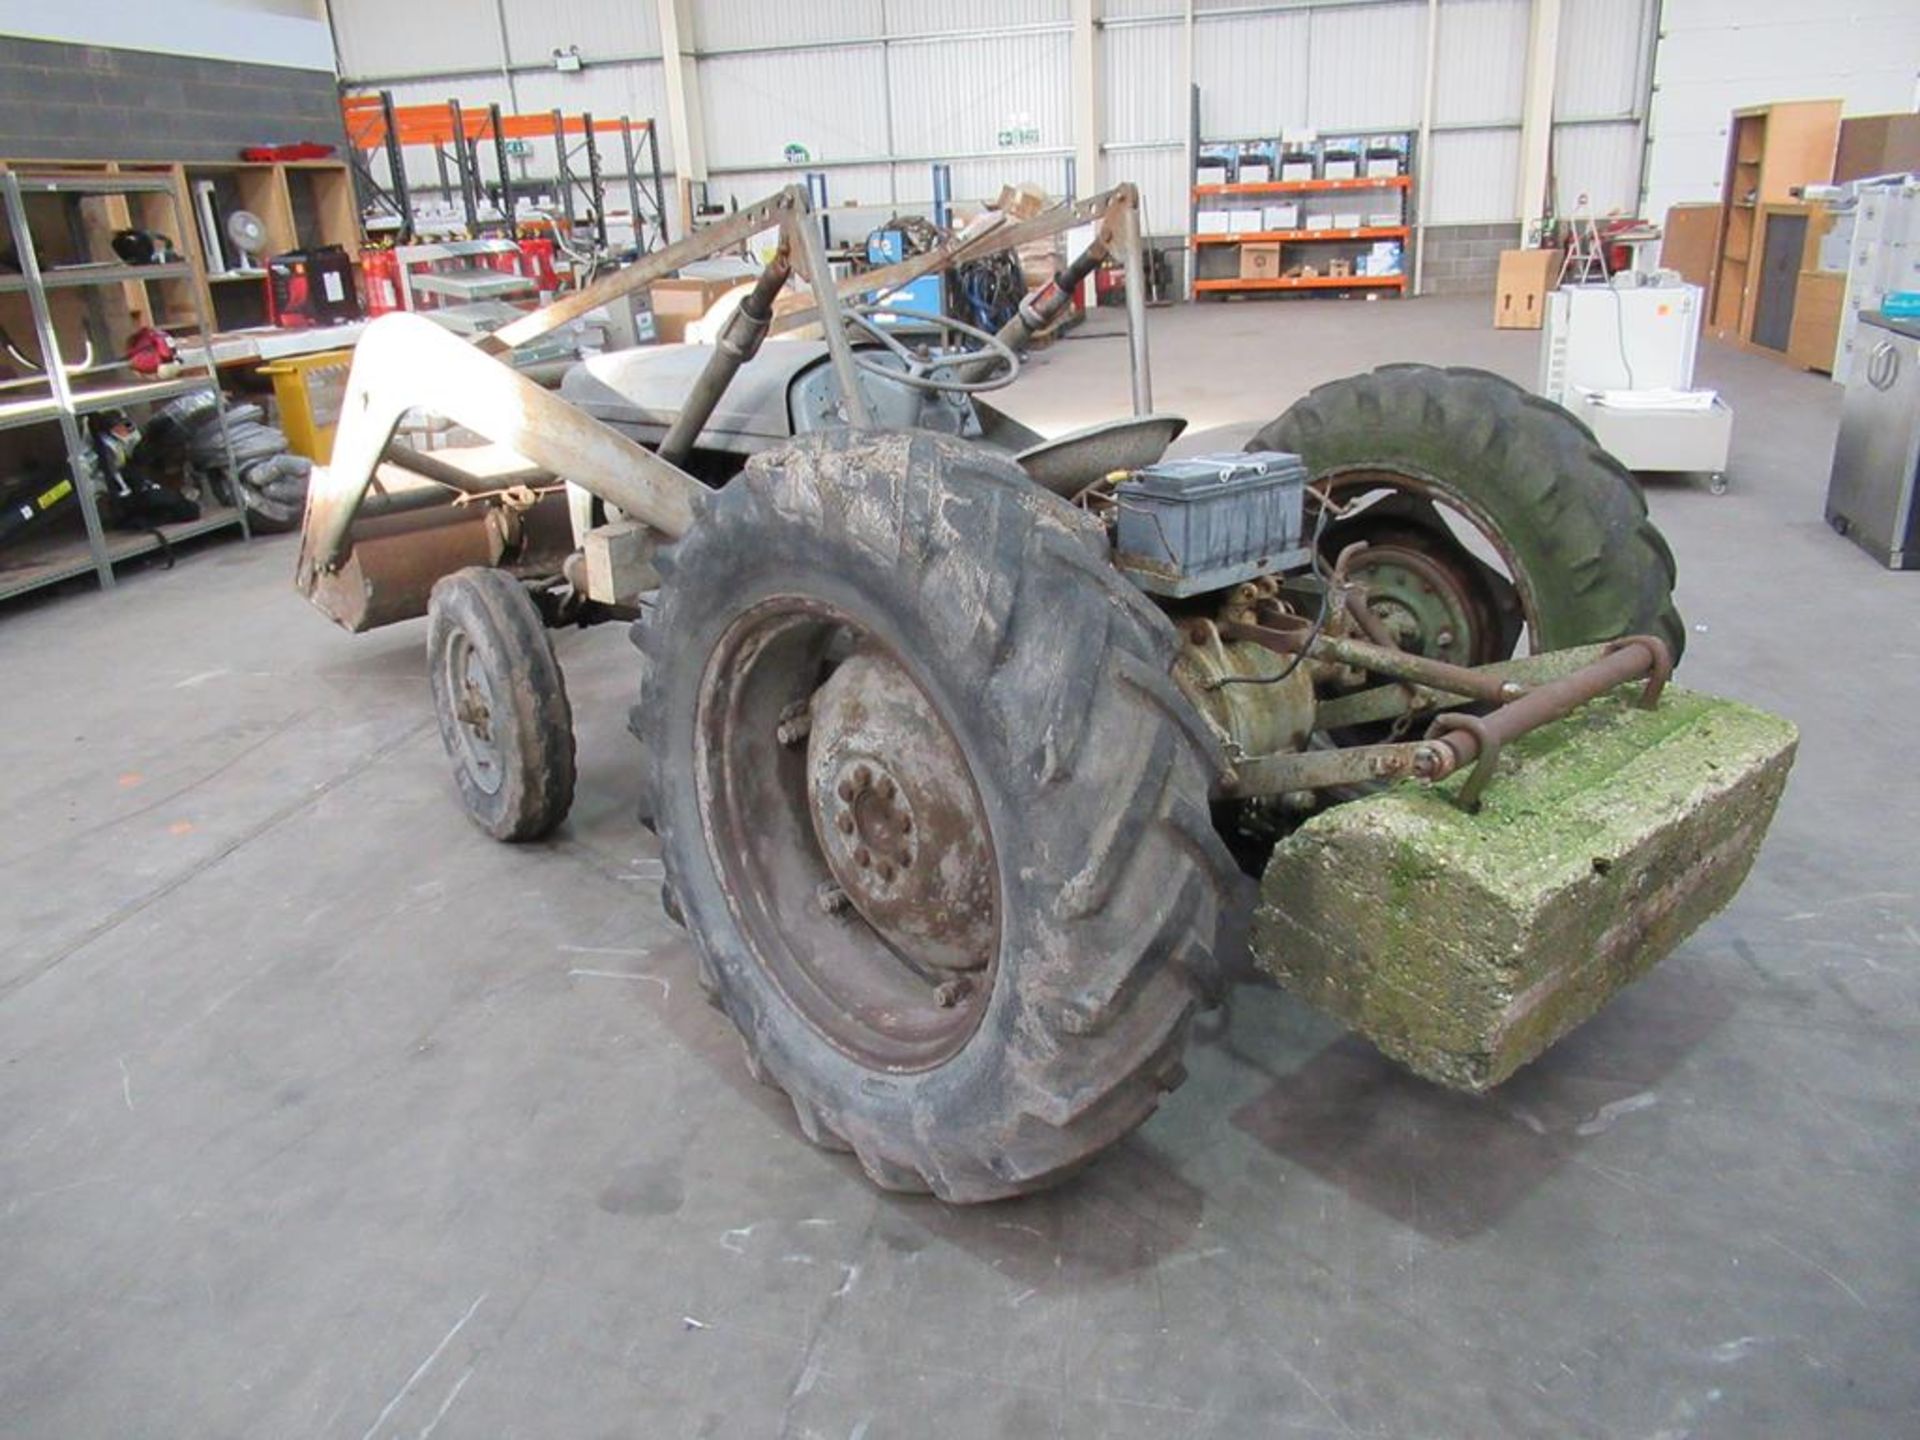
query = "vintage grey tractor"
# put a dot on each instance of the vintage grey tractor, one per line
(981, 761)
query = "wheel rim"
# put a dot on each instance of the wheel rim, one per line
(1427, 599)
(1427, 578)
(470, 692)
(816, 746)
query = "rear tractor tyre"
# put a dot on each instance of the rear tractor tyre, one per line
(501, 702)
(1586, 563)
(933, 810)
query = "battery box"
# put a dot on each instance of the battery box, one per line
(1210, 521)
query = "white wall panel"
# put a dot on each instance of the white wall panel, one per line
(977, 181)
(1143, 84)
(606, 91)
(920, 17)
(1162, 179)
(1130, 9)
(598, 27)
(721, 24)
(1603, 44)
(1366, 66)
(1601, 162)
(865, 186)
(390, 37)
(1717, 56)
(1480, 75)
(1252, 71)
(832, 101)
(955, 97)
(1475, 176)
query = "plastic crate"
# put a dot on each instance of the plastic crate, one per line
(309, 389)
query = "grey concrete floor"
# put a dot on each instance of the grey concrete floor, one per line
(322, 1115)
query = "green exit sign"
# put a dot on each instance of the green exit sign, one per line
(520, 148)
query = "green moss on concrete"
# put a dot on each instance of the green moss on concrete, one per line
(1463, 944)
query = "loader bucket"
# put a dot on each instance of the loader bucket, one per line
(1464, 944)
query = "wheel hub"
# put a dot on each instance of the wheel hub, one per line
(897, 817)
(1432, 608)
(473, 708)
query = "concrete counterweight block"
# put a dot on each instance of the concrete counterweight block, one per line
(1464, 945)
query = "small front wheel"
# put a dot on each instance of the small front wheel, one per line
(501, 702)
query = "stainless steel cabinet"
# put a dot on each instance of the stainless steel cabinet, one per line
(1876, 462)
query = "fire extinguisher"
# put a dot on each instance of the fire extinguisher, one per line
(380, 276)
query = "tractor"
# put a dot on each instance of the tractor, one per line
(982, 761)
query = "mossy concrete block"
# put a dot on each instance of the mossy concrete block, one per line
(1464, 945)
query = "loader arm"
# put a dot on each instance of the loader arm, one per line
(405, 362)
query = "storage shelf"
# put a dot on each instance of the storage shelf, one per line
(87, 400)
(234, 277)
(1301, 187)
(84, 184)
(1304, 282)
(28, 566)
(61, 277)
(1295, 237)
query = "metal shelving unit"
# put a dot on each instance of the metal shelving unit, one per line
(1314, 244)
(73, 395)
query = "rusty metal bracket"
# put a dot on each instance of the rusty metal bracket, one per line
(1660, 664)
(1486, 742)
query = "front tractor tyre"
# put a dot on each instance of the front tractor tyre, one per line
(933, 810)
(501, 703)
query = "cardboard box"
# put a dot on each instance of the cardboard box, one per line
(1521, 290)
(1348, 169)
(1212, 174)
(1212, 222)
(1319, 222)
(1022, 201)
(1259, 261)
(1243, 222)
(1297, 167)
(1280, 217)
(676, 303)
(1340, 269)
(1686, 242)
(1348, 220)
(1379, 168)
(1255, 172)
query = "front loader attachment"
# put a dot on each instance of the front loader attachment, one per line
(1464, 942)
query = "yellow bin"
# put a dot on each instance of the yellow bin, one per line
(309, 390)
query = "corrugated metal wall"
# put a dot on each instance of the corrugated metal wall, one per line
(877, 89)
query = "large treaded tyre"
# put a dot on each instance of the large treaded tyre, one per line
(501, 702)
(1572, 521)
(1092, 773)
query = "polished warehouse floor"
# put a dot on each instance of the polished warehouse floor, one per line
(322, 1115)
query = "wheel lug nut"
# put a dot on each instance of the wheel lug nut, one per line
(845, 824)
(862, 858)
(862, 776)
(831, 898)
(951, 992)
(845, 792)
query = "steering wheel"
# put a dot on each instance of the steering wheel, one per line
(922, 373)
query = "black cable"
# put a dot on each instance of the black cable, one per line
(1313, 634)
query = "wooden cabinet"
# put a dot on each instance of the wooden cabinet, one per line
(1771, 149)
